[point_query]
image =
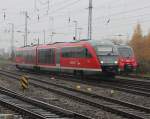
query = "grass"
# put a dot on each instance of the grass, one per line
(4, 62)
(147, 74)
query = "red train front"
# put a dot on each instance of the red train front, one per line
(127, 61)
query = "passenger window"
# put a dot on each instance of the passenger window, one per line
(76, 52)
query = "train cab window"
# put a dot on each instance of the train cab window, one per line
(46, 56)
(125, 52)
(106, 50)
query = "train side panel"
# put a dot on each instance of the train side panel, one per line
(80, 57)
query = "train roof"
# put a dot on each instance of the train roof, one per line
(26, 48)
(101, 42)
(76, 43)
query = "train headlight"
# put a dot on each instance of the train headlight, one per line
(102, 62)
(116, 62)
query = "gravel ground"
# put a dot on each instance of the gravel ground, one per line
(60, 101)
(5, 113)
(76, 106)
(8, 114)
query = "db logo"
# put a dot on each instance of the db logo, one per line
(72, 62)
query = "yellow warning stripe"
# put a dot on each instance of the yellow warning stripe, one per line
(26, 76)
(24, 83)
(24, 80)
(24, 86)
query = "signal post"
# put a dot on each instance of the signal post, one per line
(24, 82)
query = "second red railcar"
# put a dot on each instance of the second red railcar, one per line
(126, 61)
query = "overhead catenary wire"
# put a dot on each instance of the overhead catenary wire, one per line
(80, 12)
(127, 11)
(114, 16)
(60, 14)
(43, 3)
(64, 26)
(65, 6)
(118, 27)
(61, 5)
(111, 15)
(120, 13)
(59, 9)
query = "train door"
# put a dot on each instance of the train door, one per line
(68, 59)
(84, 60)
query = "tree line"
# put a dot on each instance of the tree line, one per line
(141, 46)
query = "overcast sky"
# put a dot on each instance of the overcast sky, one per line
(110, 18)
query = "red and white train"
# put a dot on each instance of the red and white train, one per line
(126, 60)
(79, 57)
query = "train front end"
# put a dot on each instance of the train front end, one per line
(127, 61)
(108, 57)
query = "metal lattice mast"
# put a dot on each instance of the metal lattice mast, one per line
(90, 20)
(75, 30)
(26, 29)
(12, 40)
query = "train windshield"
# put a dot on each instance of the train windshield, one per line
(125, 52)
(106, 50)
(107, 54)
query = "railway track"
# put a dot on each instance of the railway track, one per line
(34, 109)
(138, 87)
(129, 86)
(135, 80)
(137, 76)
(121, 108)
(133, 86)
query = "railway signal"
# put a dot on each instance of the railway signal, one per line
(24, 82)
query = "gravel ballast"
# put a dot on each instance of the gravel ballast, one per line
(58, 100)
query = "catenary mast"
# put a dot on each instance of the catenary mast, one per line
(90, 20)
